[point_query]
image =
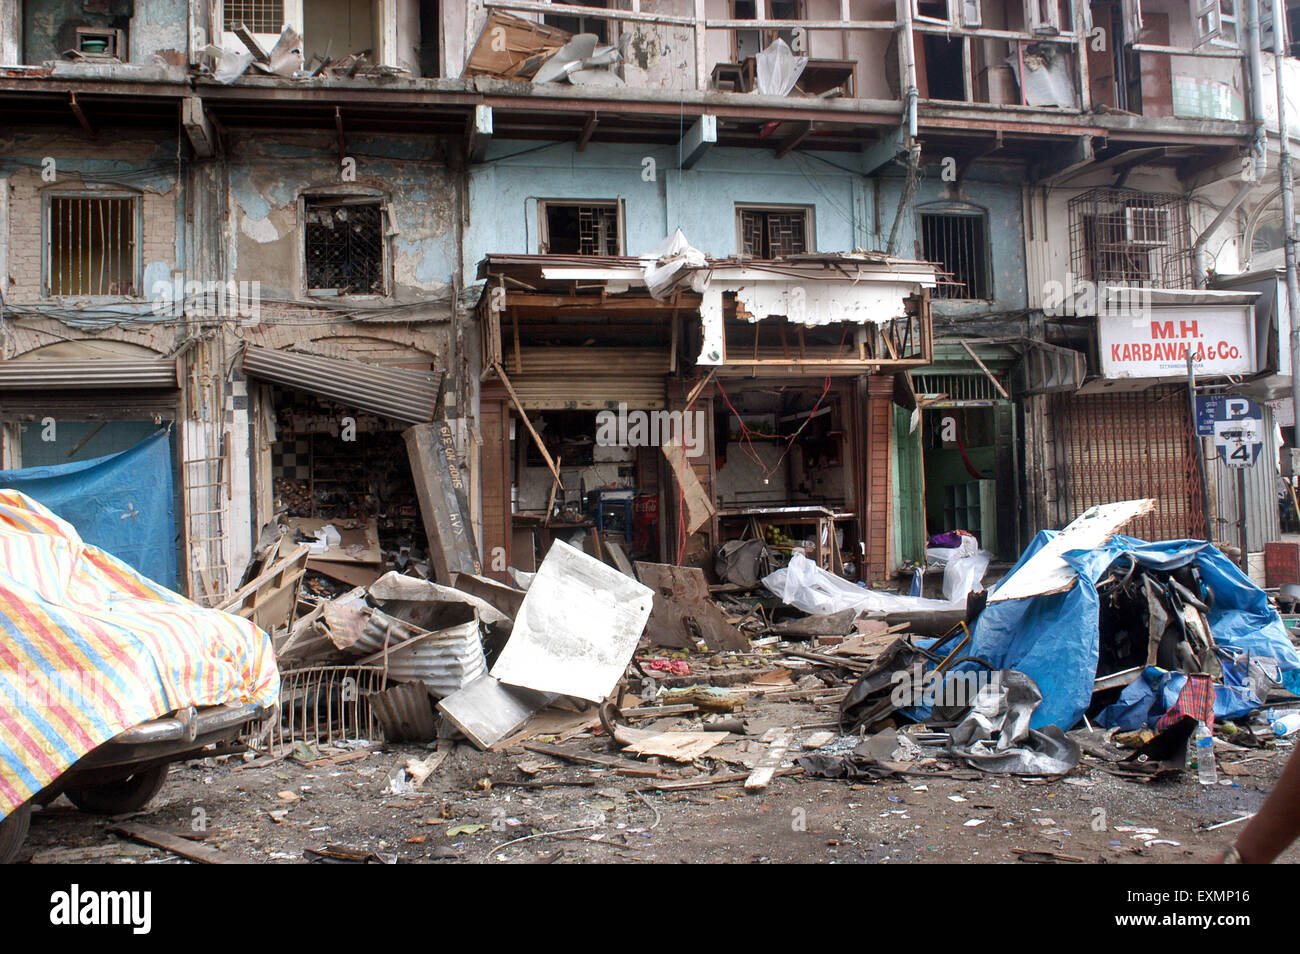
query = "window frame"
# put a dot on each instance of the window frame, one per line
(293, 17)
(809, 224)
(362, 197)
(543, 226)
(981, 215)
(137, 251)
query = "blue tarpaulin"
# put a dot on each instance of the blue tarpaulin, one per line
(1054, 638)
(123, 503)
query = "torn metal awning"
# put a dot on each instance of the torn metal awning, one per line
(397, 393)
(1046, 572)
(61, 374)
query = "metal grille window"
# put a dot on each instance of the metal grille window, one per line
(90, 246)
(344, 246)
(771, 233)
(260, 16)
(588, 228)
(1126, 237)
(958, 242)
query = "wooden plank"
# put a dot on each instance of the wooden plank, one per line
(444, 507)
(681, 597)
(615, 551)
(177, 845)
(699, 508)
(761, 777)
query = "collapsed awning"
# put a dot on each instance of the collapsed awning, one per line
(88, 374)
(397, 393)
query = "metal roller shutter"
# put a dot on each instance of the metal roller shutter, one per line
(1113, 447)
(397, 393)
(36, 374)
(551, 379)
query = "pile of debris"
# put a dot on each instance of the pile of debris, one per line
(285, 59)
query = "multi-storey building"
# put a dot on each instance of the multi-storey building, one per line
(293, 228)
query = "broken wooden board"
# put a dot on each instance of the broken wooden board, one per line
(1046, 572)
(678, 746)
(486, 712)
(353, 574)
(761, 777)
(159, 838)
(444, 507)
(577, 627)
(271, 599)
(681, 597)
(510, 46)
(358, 540)
(615, 551)
(699, 508)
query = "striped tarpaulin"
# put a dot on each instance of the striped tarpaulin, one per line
(90, 648)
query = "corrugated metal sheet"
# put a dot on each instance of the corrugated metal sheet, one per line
(61, 374)
(397, 393)
(1262, 518)
(444, 662)
(405, 712)
(551, 379)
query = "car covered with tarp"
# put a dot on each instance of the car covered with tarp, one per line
(105, 676)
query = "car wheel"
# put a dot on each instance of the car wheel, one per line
(13, 832)
(129, 794)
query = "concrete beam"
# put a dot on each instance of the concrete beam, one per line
(888, 148)
(702, 134)
(479, 133)
(198, 127)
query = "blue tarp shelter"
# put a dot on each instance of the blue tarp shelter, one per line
(123, 503)
(1054, 638)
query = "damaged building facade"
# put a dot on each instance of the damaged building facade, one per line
(670, 284)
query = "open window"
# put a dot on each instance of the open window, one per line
(91, 246)
(597, 25)
(1215, 22)
(750, 42)
(773, 231)
(580, 228)
(967, 13)
(958, 241)
(1047, 16)
(343, 245)
(263, 18)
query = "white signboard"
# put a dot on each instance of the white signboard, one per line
(1221, 339)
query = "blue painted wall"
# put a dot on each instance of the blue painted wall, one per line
(850, 210)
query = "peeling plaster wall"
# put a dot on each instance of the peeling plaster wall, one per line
(146, 166)
(267, 177)
(503, 195)
(158, 28)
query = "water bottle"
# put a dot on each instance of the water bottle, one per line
(1206, 769)
(1285, 725)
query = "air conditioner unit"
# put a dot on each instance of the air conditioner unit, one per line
(1146, 226)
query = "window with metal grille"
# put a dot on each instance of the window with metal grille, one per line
(596, 25)
(1126, 237)
(344, 245)
(771, 233)
(581, 228)
(90, 246)
(260, 16)
(958, 243)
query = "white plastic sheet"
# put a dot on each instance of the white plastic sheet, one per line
(807, 587)
(778, 69)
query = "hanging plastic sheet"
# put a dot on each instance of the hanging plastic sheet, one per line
(123, 503)
(1054, 638)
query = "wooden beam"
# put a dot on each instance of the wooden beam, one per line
(81, 116)
(338, 131)
(588, 128)
(983, 367)
(551, 465)
(478, 133)
(198, 127)
(801, 133)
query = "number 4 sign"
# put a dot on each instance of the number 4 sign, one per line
(1237, 432)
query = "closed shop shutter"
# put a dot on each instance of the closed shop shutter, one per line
(60, 375)
(1113, 447)
(555, 379)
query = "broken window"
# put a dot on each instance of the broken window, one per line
(597, 25)
(260, 16)
(581, 228)
(1126, 237)
(1045, 16)
(344, 246)
(750, 42)
(90, 246)
(770, 233)
(1215, 22)
(958, 243)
